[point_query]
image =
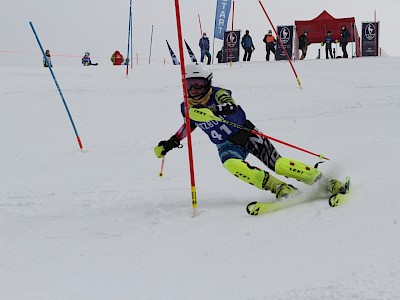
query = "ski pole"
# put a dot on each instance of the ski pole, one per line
(161, 174)
(206, 115)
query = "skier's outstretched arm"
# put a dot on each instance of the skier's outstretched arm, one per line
(164, 147)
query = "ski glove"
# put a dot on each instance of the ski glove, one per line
(165, 146)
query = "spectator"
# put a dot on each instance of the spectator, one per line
(117, 58)
(204, 44)
(247, 44)
(219, 55)
(48, 56)
(328, 44)
(344, 39)
(86, 60)
(270, 43)
(303, 44)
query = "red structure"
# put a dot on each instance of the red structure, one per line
(317, 29)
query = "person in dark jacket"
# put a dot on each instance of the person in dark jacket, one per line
(328, 44)
(48, 56)
(344, 39)
(204, 44)
(247, 44)
(270, 43)
(220, 55)
(303, 44)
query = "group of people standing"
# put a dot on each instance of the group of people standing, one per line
(248, 46)
(328, 41)
(270, 45)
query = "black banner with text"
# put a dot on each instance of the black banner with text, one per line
(370, 39)
(285, 34)
(231, 46)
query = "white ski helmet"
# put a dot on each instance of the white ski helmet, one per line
(198, 70)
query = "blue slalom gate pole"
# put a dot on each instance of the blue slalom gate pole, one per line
(58, 87)
(129, 37)
(151, 43)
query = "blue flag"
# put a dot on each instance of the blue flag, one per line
(221, 18)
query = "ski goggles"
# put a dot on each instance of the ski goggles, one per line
(196, 83)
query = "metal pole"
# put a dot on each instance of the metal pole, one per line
(151, 43)
(58, 87)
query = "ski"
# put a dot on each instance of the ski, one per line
(259, 208)
(308, 194)
(342, 196)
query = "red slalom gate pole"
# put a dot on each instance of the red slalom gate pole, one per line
(283, 46)
(186, 105)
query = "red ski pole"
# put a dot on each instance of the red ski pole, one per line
(206, 115)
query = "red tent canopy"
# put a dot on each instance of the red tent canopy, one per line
(318, 27)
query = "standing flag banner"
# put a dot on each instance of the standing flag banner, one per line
(285, 35)
(175, 60)
(221, 18)
(221, 21)
(370, 38)
(191, 54)
(231, 46)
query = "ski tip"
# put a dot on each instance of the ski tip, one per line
(250, 208)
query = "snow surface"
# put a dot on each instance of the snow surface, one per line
(103, 225)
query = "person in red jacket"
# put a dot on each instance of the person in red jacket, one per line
(117, 58)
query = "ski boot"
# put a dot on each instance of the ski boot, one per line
(284, 191)
(336, 187)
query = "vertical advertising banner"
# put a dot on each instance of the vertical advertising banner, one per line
(370, 39)
(221, 18)
(285, 34)
(231, 46)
